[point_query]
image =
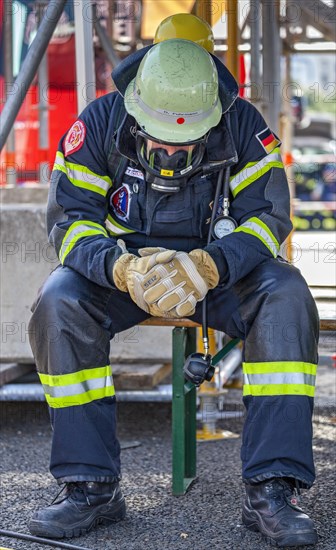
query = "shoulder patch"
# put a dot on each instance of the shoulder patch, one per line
(267, 140)
(121, 201)
(74, 139)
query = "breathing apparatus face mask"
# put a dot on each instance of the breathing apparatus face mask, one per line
(169, 166)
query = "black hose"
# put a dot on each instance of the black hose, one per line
(219, 188)
(224, 174)
(226, 184)
(58, 544)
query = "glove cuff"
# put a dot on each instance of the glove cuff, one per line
(218, 257)
(206, 266)
(119, 271)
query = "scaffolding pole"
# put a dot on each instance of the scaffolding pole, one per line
(232, 38)
(271, 64)
(105, 40)
(86, 78)
(203, 9)
(287, 137)
(255, 25)
(8, 41)
(43, 81)
(29, 68)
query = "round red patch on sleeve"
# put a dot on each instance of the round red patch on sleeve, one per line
(74, 139)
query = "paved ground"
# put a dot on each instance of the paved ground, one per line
(207, 518)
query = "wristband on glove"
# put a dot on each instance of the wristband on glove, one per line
(120, 267)
(206, 266)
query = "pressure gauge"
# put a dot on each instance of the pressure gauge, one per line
(222, 226)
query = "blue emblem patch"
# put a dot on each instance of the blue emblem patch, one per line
(120, 201)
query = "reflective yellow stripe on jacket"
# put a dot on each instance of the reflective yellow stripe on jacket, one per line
(69, 390)
(254, 170)
(116, 228)
(81, 176)
(279, 378)
(76, 231)
(254, 226)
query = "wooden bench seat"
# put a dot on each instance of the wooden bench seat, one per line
(327, 313)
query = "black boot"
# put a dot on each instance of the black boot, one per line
(79, 507)
(271, 507)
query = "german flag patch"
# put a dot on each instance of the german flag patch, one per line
(268, 140)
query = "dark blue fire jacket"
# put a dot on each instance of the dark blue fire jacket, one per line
(99, 192)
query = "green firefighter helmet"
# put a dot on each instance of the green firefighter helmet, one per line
(187, 26)
(174, 96)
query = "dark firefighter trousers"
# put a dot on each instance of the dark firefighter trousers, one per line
(271, 309)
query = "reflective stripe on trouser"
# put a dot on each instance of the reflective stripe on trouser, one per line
(279, 378)
(84, 386)
(271, 308)
(70, 334)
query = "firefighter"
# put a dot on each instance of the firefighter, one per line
(129, 214)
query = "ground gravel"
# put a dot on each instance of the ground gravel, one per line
(207, 518)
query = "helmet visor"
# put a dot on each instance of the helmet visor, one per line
(169, 160)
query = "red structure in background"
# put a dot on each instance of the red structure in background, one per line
(242, 76)
(61, 115)
(62, 100)
(1, 18)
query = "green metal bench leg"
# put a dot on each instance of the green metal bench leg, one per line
(190, 411)
(183, 413)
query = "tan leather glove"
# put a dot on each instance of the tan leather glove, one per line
(176, 282)
(128, 269)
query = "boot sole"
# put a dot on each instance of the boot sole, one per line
(253, 521)
(57, 531)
